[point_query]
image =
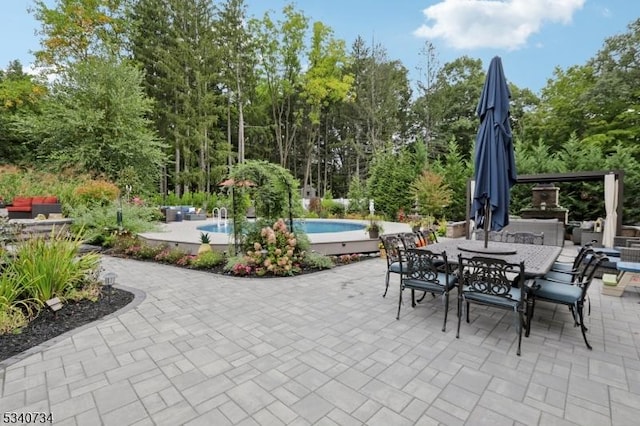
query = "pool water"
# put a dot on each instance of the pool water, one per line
(307, 226)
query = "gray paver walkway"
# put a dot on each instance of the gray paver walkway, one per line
(325, 348)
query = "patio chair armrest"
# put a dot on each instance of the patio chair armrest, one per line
(530, 284)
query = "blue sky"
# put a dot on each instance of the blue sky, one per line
(531, 36)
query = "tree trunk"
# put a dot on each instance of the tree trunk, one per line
(229, 159)
(240, 119)
(176, 183)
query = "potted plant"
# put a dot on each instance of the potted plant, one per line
(374, 228)
(415, 224)
(204, 243)
(428, 222)
(383, 252)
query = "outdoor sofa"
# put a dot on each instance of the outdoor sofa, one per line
(31, 207)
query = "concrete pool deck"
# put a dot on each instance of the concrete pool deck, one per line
(186, 235)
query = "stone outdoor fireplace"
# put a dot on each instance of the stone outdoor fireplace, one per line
(545, 204)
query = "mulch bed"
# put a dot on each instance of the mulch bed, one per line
(219, 269)
(48, 324)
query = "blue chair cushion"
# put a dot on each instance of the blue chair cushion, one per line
(395, 267)
(563, 267)
(610, 263)
(558, 276)
(609, 252)
(504, 302)
(628, 266)
(557, 292)
(432, 285)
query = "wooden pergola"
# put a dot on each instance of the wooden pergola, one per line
(592, 176)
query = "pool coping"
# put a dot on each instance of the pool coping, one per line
(186, 236)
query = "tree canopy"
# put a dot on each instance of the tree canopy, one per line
(176, 93)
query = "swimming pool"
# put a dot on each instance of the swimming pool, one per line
(307, 226)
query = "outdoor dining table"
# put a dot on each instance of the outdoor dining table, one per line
(538, 259)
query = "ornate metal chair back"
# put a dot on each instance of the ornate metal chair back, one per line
(493, 277)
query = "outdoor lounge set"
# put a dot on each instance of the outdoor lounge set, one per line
(31, 207)
(180, 213)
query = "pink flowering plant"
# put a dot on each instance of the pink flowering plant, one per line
(275, 251)
(241, 269)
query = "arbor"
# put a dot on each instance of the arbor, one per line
(275, 190)
(95, 122)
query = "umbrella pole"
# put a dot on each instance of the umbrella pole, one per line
(487, 223)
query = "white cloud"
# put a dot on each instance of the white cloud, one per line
(506, 24)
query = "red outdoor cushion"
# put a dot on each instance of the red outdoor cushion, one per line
(22, 201)
(19, 208)
(37, 200)
(50, 199)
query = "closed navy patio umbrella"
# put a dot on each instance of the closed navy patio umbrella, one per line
(495, 166)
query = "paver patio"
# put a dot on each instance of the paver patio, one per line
(325, 348)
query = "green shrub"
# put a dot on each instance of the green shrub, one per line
(52, 267)
(233, 261)
(317, 260)
(171, 255)
(208, 260)
(123, 241)
(335, 208)
(331, 207)
(304, 244)
(14, 313)
(97, 192)
(150, 251)
(100, 222)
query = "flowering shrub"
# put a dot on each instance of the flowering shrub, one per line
(133, 251)
(241, 269)
(170, 255)
(276, 251)
(348, 258)
(185, 260)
